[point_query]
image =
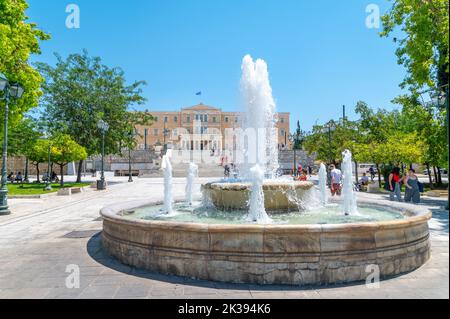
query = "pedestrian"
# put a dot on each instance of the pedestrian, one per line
(19, 177)
(336, 177)
(226, 172)
(372, 173)
(394, 184)
(412, 191)
(363, 182)
(303, 176)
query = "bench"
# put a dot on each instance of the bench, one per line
(69, 191)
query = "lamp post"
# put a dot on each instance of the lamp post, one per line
(103, 127)
(165, 133)
(330, 126)
(131, 136)
(15, 91)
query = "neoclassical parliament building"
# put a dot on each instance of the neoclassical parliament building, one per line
(166, 125)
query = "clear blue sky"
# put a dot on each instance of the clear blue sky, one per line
(320, 53)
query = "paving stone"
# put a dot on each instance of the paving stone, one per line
(99, 292)
(132, 291)
(35, 256)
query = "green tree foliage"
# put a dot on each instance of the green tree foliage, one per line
(424, 44)
(18, 40)
(22, 136)
(378, 137)
(65, 150)
(38, 153)
(423, 48)
(79, 91)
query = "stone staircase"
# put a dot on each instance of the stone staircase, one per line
(286, 159)
(180, 170)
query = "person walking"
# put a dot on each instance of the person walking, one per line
(412, 191)
(394, 184)
(372, 173)
(336, 177)
(226, 172)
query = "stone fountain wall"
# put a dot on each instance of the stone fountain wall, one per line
(270, 254)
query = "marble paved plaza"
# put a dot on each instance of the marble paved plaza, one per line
(43, 236)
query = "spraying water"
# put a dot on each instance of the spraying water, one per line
(168, 200)
(191, 175)
(323, 184)
(260, 117)
(347, 181)
(257, 211)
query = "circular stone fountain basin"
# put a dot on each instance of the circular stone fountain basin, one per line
(270, 254)
(278, 195)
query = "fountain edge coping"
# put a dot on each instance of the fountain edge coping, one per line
(415, 215)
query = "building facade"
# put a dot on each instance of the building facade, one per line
(200, 119)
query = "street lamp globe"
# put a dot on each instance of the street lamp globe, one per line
(3, 82)
(16, 90)
(103, 126)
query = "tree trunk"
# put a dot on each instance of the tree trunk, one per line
(379, 175)
(61, 182)
(37, 173)
(26, 170)
(403, 169)
(80, 167)
(435, 175)
(439, 181)
(429, 176)
(356, 172)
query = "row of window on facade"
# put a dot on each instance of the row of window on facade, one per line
(198, 130)
(203, 118)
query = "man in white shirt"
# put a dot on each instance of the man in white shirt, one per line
(336, 177)
(364, 180)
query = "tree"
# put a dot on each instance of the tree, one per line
(424, 50)
(374, 128)
(38, 154)
(18, 40)
(22, 137)
(378, 137)
(65, 150)
(78, 92)
(430, 124)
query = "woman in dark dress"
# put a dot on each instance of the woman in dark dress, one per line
(412, 192)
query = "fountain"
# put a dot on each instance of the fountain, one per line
(257, 211)
(191, 175)
(261, 149)
(267, 230)
(323, 184)
(347, 182)
(168, 199)
(260, 116)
